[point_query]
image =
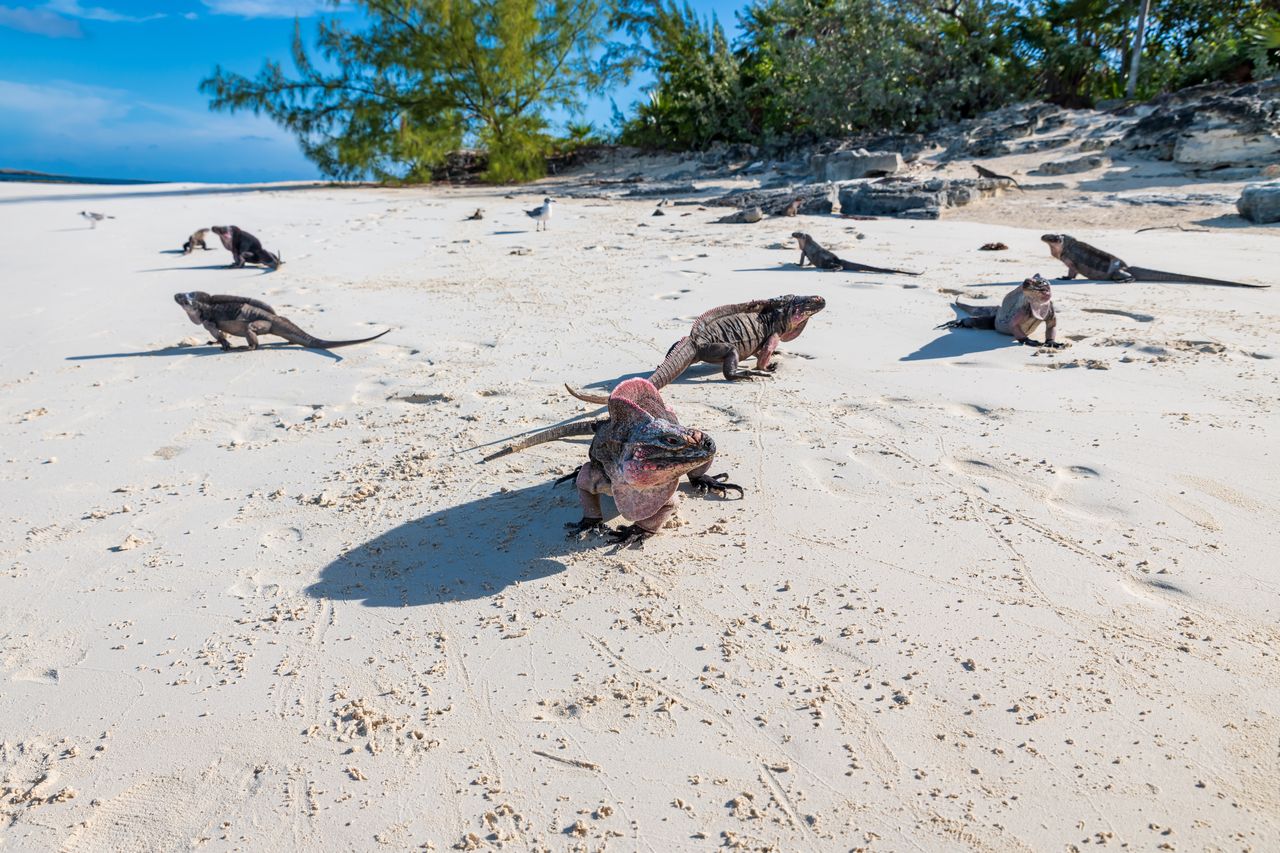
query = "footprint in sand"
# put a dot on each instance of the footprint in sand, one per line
(280, 536)
(672, 294)
(970, 410)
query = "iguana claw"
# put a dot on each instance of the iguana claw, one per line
(748, 374)
(716, 483)
(626, 537)
(585, 525)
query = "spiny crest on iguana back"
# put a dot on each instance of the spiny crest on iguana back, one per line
(634, 404)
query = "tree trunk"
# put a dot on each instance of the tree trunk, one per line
(1132, 87)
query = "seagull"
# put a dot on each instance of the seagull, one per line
(94, 218)
(542, 214)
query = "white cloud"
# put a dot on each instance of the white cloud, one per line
(269, 8)
(72, 8)
(42, 22)
(72, 115)
(71, 128)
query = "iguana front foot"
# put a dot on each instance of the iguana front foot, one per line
(1056, 344)
(584, 525)
(739, 375)
(703, 484)
(1029, 342)
(629, 536)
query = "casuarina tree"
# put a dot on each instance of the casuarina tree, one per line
(419, 78)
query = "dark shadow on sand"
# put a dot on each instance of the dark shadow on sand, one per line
(263, 270)
(695, 373)
(503, 233)
(474, 550)
(957, 342)
(200, 351)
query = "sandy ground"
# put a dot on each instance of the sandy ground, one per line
(976, 597)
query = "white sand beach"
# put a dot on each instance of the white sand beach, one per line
(976, 597)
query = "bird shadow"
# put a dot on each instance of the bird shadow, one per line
(959, 342)
(504, 233)
(460, 553)
(199, 351)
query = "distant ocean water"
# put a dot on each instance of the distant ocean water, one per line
(42, 178)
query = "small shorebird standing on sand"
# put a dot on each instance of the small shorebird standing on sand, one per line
(94, 218)
(542, 214)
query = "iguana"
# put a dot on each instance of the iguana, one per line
(731, 333)
(245, 248)
(984, 172)
(195, 241)
(1093, 263)
(638, 454)
(248, 318)
(823, 259)
(745, 216)
(1020, 313)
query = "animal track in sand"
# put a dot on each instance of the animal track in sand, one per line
(671, 294)
(167, 452)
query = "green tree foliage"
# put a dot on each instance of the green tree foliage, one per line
(839, 66)
(424, 76)
(808, 69)
(1081, 48)
(697, 95)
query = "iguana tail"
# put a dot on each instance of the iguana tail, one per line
(854, 266)
(553, 434)
(289, 330)
(599, 399)
(1141, 274)
(979, 317)
(678, 359)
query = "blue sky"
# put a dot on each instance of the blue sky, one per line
(110, 90)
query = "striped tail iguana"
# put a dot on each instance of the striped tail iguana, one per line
(638, 454)
(731, 333)
(1093, 263)
(248, 318)
(823, 259)
(1020, 313)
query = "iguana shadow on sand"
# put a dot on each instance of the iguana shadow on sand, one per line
(201, 351)
(470, 551)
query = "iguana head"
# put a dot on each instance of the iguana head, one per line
(1057, 242)
(1039, 295)
(190, 303)
(796, 311)
(656, 449)
(800, 237)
